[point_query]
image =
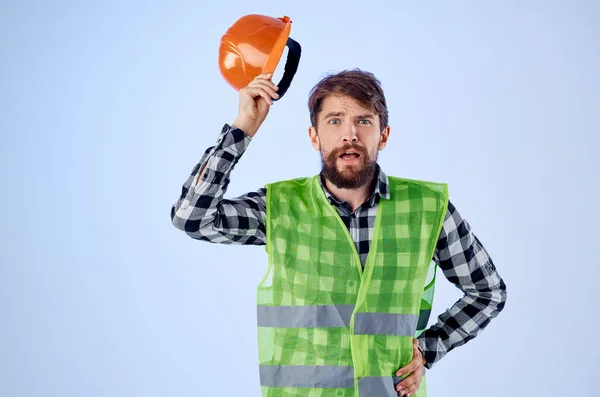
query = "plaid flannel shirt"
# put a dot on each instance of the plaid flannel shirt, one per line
(203, 213)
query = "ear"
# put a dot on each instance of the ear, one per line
(385, 134)
(314, 138)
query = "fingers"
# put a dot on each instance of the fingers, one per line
(270, 90)
(408, 390)
(411, 382)
(265, 78)
(409, 385)
(255, 92)
(262, 86)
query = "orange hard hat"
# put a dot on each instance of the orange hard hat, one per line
(253, 45)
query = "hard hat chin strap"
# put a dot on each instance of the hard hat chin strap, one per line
(291, 66)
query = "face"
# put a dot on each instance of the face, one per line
(349, 138)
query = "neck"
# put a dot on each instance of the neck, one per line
(354, 197)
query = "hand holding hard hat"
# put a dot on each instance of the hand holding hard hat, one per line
(249, 53)
(255, 101)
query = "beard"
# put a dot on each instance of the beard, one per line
(351, 177)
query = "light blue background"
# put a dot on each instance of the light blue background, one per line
(106, 106)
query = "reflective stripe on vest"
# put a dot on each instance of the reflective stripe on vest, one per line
(337, 316)
(385, 324)
(306, 376)
(304, 316)
(323, 376)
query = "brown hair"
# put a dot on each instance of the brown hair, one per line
(359, 85)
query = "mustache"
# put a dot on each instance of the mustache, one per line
(338, 152)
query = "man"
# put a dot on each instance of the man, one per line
(349, 282)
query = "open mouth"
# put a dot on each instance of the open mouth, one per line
(350, 155)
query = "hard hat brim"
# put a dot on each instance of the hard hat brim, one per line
(278, 47)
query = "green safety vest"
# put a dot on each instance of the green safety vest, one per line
(326, 327)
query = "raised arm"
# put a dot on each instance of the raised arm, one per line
(201, 210)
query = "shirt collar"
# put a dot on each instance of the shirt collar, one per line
(380, 189)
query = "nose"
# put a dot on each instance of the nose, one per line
(350, 134)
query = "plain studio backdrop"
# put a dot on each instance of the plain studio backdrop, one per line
(106, 107)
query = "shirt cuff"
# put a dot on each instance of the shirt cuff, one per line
(430, 348)
(233, 140)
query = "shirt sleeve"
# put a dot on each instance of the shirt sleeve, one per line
(465, 263)
(203, 213)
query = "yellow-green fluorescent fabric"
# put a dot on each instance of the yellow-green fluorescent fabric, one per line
(326, 327)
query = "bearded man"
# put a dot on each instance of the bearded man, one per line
(344, 305)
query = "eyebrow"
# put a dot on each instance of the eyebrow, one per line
(337, 114)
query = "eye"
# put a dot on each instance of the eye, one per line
(367, 122)
(334, 121)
